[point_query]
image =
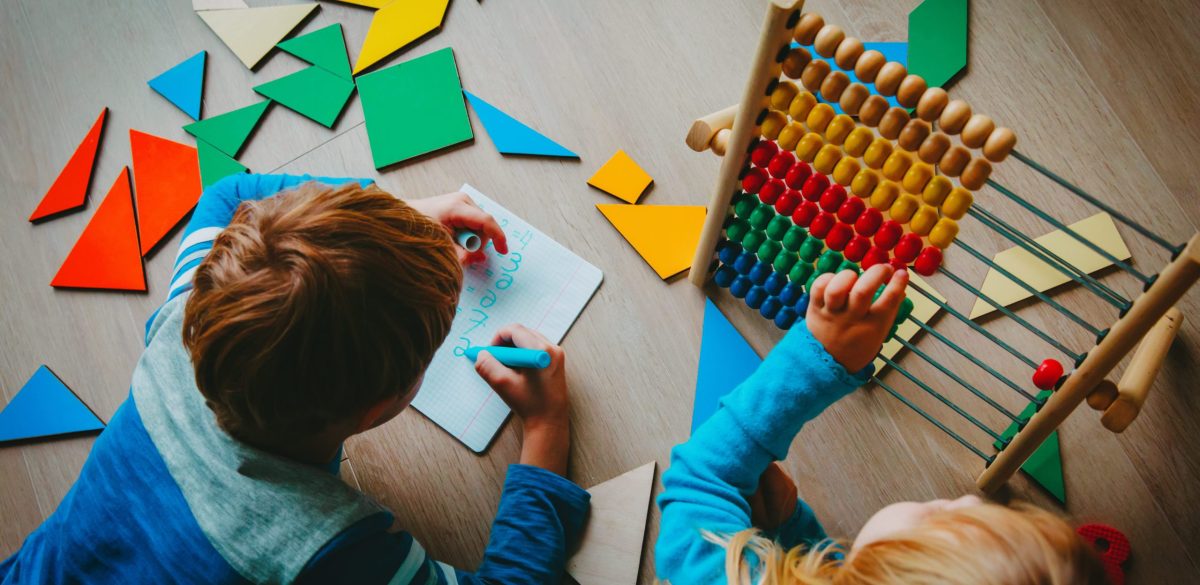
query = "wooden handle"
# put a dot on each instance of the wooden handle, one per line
(703, 130)
(1139, 376)
(1172, 283)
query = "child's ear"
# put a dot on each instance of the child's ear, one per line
(379, 413)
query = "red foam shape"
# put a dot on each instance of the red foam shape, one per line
(166, 177)
(771, 191)
(70, 188)
(821, 224)
(888, 234)
(763, 152)
(797, 175)
(814, 186)
(787, 203)
(1047, 374)
(804, 215)
(928, 261)
(754, 179)
(1112, 546)
(868, 223)
(856, 250)
(107, 254)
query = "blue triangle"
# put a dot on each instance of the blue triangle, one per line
(511, 136)
(183, 84)
(45, 407)
(725, 361)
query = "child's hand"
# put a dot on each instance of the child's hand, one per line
(775, 500)
(458, 211)
(842, 316)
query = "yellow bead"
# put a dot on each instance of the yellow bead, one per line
(826, 158)
(864, 183)
(904, 207)
(943, 233)
(878, 152)
(802, 104)
(783, 95)
(845, 171)
(884, 195)
(917, 177)
(839, 129)
(923, 220)
(936, 190)
(808, 147)
(773, 124)
(819, 117)
(957, 203)
(896, 165)
(790, 135)
(858, 141)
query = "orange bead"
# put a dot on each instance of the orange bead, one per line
(847, 53)
(814, 74)
(797, 59)
(872, 111)
(868, 65)
(923, 220)
(897, 164)
(957, 203)
(858, 140)
(910, 91)
(884, 195)
(790, 136)
(852, 99)
(933, 147)
(806, 30)
(936, 190)
(976, 174)
(893, 122)
(839, 129)
(783, 95)
(954, 116)
(954, 161)
(845, 170)
(826, 158)
(931, 104)
(889, 78)
(999, 144)
(977, 130)
(819, 117)
(914, 133)
(807, 149)
(943, 233)
(904, 207)
(801, 105)
(833, 86)
(828, 39)
(878, 152)
(917, 177)
(864, 183)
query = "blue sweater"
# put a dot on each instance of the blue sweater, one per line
(168, 497)
(712, 474)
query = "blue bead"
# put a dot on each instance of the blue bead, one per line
(775, 283)
(728, 251)
(744, 262)
(791, 293)
(785, 318)
(740, 286)
(770, 307)
(756, 296)
(760, 272)
(724, 276)
(802, 305)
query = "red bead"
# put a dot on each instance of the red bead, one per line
(787, 202)
(851, 209)
(1047, 374)
(839, 236)
(754, 179)
(779, 165)
(814, 187)
(927, 263)
(821, 224)
(805, 213)
(797, 175)
(898, 264)
(909, 247)
(833, 198)
(856, 250)
(763, 152)
(868, 223)
(875, 255)
(888, 234)
(771, 191)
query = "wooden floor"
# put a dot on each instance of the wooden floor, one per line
(1100, 90)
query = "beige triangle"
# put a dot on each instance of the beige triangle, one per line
(251, 32)
(610, 551)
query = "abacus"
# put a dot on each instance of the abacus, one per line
(803, 190)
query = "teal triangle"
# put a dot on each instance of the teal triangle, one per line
(510, 135)
(45, 407)
(325, 48)
(215, 165)
(183, 84)
(313, 93)
(229, 131)
(1045, 465)
(726, 359)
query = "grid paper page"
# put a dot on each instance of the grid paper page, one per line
(539, 284)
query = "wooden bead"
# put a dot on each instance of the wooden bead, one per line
(977, 130)
(872, 110)
(917, 176)
(773, 124)
(914, 134)
(910, 91)
(819, 118)
(923, 220)
(839, 128)
(954, 161)
(904, 207)
(858, 140)
(893, 122)
(868, 65)
(976, 174)
(896, 165)
(806, 30)
(848, 52)
(931, 104)
(826, 158)
(853, 97)
(864, 183)
(828, 39)
(790, 136)
(801, 105)
(999, 144)
(783, 95)
(957, 203)
(721, 141)
(884, 195)
(934, 147)
(878, 152)
(797, 59)
(833, 86)
(954, 116)
(814, 74)
(807, 149)
(889, 78)
(943, 233)
(845, 170)
(936, 190)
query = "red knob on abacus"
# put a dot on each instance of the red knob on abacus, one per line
(754, 179)
(839, 236)
(889, 234)
(850, 210)
(788, 202)
(908, 248)
(780, 163)
(771, 191)
(898, 264)
(821, 224)
(856, 250)
(928, 261)
(763, 152)
(875, 255)
(868, 223)
(833, 198)
(797, 175)
(814, 187)
(1047, 374)
(805, 213)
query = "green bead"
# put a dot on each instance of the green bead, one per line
(906, 309)
(878, 292)
(768, 250)
(744, 205)
(810, 250)
(761, 217)
(738, 228)
(779, 227)
(784, 262)
(753, 239)
(892, 332)
(849, 265)
(828, 262)
(801, 272)
(794, 238)
(811, 279)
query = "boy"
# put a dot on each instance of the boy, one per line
(294, 321)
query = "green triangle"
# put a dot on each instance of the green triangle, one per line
(215, 165)
(1045, 465)
(325, 48)
(313, 93)
(229, 131)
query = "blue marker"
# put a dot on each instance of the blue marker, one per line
(513, 357)
(469, 240)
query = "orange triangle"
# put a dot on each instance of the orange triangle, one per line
(166, 177)
(107, 255)
(665, 235)
(69, 190)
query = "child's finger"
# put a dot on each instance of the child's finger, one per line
(889, 301)
(838, 291)
(521, 336)
(469, 216)
(863, 292)
(497, 375)
(816, 296)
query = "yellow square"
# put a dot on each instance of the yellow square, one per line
(622, 178)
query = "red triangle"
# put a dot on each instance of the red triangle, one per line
(166, 176)
(107, 254)
(69, 190)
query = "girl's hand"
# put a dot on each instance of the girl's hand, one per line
(846, 318)
(457, 211)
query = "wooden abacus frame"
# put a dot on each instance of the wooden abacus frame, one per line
(730, 133)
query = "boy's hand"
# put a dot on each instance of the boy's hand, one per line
(843, 316)
(775, 500)
(457, 211)
(538, 397)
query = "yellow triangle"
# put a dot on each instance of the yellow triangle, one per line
(622, 178)
(368, 3)
(665, 235)
(610, 550)
(397, 24)
(251, 32)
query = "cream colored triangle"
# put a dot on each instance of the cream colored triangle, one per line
(611, 549)
(251, 32)
(199, 5)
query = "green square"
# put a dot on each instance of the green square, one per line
(414, 108)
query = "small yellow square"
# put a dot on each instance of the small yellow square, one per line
(622, 178)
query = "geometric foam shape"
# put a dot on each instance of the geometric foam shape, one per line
(229, 131)
(313, 93)
(510, 135)
(892, 51)
(622, 178)
(183, 84)
(664, 235)
(166, 179)
(726, 359)
(325, 48)
(215, 165)
(395, 25)
(937, 40)
(106, 255)
(251, 33)
(70, 188)
(45, 407)
(368, 3)
(610, 549)
(1045, 465)
(923, 310)
(414, 108)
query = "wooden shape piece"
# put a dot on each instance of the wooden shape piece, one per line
(664, 235)
(610, 550)
(106, 255)
(1045, 465)
(923, 311)
(726, 359)
(313, 93)
(325, 48)
(166, 176)
(622, 178)
(183, 84)
(395, 25)
(510, 135)
(215, 165)
(229, 131)
(45, 407)
(251, 33)
(70, 188)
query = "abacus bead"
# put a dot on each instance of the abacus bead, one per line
(783, 95)
(1047, 374)
(763, 152)
(845, 170)
(759, 273)
(856, 250)
(907, 248)
(810, 250)
(806, 30)
(814, 74)
(775, 283)
(897, 164)
(833, 198)
(724, 276)
(785, 318)
(999, 144)
(853, 97)
(728, 251)
(828, 39)
(868, 65)
(927, 261)
(808, 146)
(839, 236)
(872, 110)
(868, 223)
(910, 91)
(770, 308)
(954, 161)
(934, 147)
(755, 297)
(913, 134)
(780, 163)
(784, 262)
(957, 203)
(878, 153)
(744, 262)
(839, 129)
(906, 309)
(740, 286)
(954, 116)
(976, 131)
(829, 261)
(884, 195)
(761, 217)
(805, 213)
(826, 158)
(797, 175)
(850, 210)
(814, 187)
(771, 191)
(801, 105)
(889, 78)
(796, 61)
(849, 265)
(791, 134)
(916, 178)
(821, 224)
(768, 250)
(794, 238)
(892, 122)
(898, 264)
(864, 183)
(778, 226)
(943, 233)
(923, 220)
(819, 117)
(754, 180)
(792, 292)
(936, 190)
(875, 255)
(857, 141)
(833, 86)
(773, 124)
(976, 174)
(737, 230)
(903, 209)
(848, 52)
(786, 205)
(744, 206)
(931, 104)
(801, 272)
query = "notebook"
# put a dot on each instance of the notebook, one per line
(539, 284)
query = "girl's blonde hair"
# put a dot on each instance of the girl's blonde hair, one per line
(981, 545)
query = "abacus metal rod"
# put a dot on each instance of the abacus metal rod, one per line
(1141, 229)
(1067, 230)
(961, 382)
(973, 325)
(942, 399)
(963, 352)
(937, 423)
